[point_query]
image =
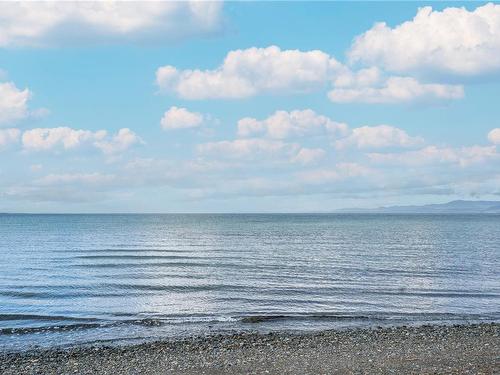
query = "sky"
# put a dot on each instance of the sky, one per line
(247, 106)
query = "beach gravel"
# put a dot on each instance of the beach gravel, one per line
(460, 349)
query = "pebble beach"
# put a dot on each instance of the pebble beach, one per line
(459, 349)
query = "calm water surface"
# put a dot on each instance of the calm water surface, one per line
(73, 279)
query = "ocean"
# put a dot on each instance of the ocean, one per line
(116, 279)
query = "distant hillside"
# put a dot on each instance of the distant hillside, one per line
(459, 206)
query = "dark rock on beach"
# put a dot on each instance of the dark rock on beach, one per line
(465, 349)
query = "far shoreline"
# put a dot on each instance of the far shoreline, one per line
(471, 348)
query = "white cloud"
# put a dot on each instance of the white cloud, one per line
(93, 179)
(296, 123)
(261, 149)
(342, 171)
(13, 102)
(307, 156)
(48, 23)
(494, 136)
(361, 78)
(67, 188)
(8, 136)
(40, 139)
(432, 155)
(36, 167)
(378, 137)
(395, 90)
(248, 148)
(180, 118)
(44, 139)
(248, 72)
(121, 141)
(454, 40)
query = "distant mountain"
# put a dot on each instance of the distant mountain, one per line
(459, 207)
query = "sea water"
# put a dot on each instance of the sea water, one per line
(90, 279)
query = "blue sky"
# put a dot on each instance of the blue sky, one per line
(247, 106)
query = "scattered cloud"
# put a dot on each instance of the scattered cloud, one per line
(245, 73)
(61, 23)
(287, 152)
(453, 40)
(380, 136)
(181, 118)
(283, 124)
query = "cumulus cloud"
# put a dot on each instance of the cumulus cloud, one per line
(248, 72)
(180, 118)
(40, 139)
(44, 139)
(13, 102)
(253, 71)
(494, 136)
(380, 136)
(121, 141)
(48, 23)
(8, 136)
(283, 124)
(453, 40)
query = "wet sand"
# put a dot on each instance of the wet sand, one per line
(465, 349)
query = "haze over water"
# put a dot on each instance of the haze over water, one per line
(69, 279)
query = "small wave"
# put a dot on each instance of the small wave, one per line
(11, 293)
(121, 250)
(150, 265)
(5, 317)
(177, 288)
(375, 317)
(270, 318)
(147, 322)
(47, 329)
(138, 257)
(64, 295)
